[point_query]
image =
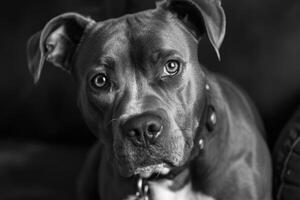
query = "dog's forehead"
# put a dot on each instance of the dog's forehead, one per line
(137, 37)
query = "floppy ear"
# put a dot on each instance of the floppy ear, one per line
(200, 17)
(56, 43)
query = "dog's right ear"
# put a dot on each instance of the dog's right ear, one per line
(56, 43)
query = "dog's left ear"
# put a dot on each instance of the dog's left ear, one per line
(200, 17)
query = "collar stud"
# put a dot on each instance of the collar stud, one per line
(212, 118)
(201, 144)
(207, 87)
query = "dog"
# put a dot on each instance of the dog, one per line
(167, 127)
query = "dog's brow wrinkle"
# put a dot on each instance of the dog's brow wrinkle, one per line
(107, 61)
(163, 52)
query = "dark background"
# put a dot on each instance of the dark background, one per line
(261, 52)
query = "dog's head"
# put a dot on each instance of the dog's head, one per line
(139, 80)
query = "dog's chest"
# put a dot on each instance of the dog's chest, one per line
(161, 191)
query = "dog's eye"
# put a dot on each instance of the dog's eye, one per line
(171, 68)
(99, 81)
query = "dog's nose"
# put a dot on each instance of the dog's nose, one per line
(143, 129)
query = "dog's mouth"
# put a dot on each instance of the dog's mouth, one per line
(145, 169)
(153, 171)
(159, 159)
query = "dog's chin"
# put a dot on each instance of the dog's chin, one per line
(148, 171)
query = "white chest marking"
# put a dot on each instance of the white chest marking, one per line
(161, 191)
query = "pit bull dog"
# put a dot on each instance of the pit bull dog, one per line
(168, 128)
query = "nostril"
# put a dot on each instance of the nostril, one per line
(136, 136)
(153, 130)
(134, 133)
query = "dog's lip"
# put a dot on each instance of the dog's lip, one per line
(148, 171)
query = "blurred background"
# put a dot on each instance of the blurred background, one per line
(43, 140)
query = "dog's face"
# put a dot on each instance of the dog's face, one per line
(140, 86)
(140, 83)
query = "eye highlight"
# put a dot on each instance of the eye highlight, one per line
(171, 68)
(99, 81)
